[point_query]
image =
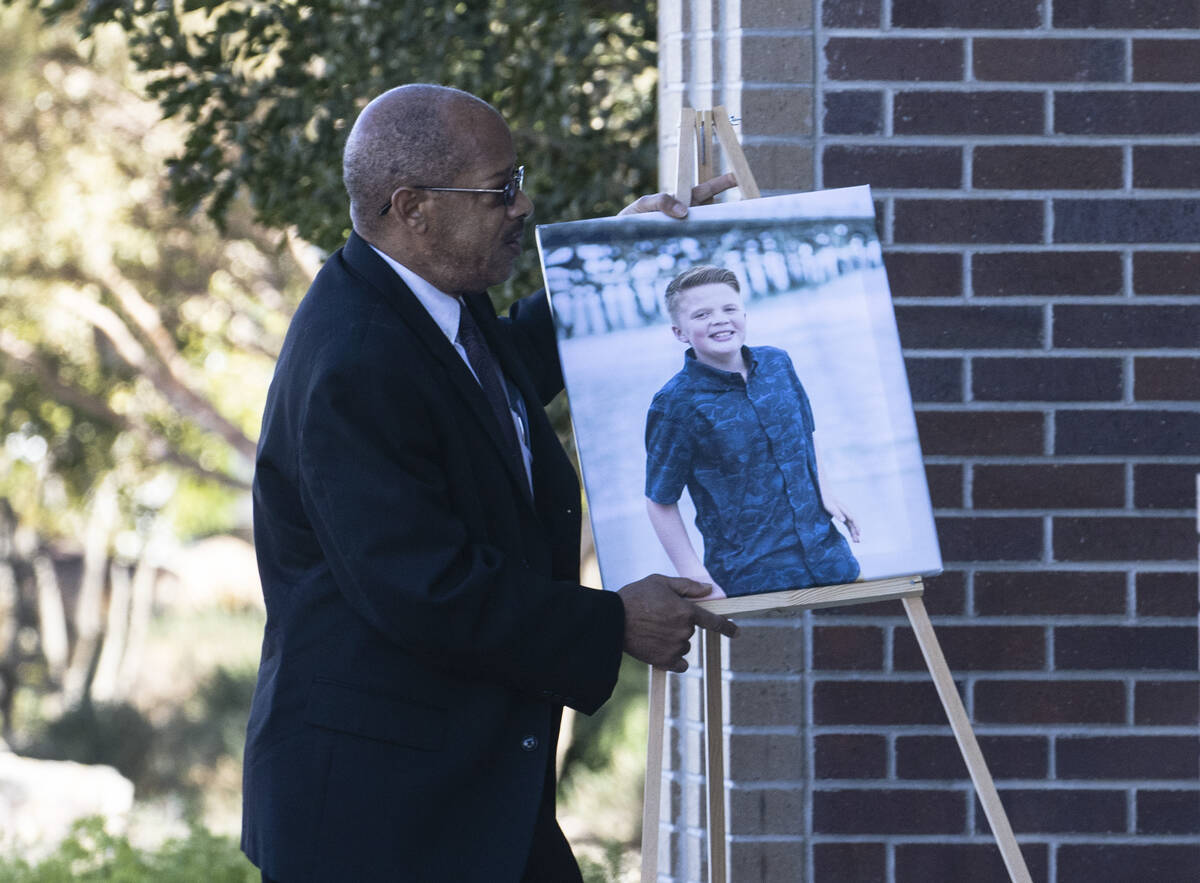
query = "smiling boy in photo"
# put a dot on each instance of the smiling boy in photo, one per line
(735, 428)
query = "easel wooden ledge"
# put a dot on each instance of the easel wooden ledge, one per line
(698, 128)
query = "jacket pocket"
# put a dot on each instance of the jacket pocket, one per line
(347, 709)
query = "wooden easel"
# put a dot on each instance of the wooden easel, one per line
(699, 128)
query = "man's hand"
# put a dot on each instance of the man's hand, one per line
(838, 513)
(669, 205)
(659, 619)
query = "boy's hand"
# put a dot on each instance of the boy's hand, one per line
(838, 513)
(660, 619)
(669, 205)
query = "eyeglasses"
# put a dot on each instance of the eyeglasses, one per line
(510, 190)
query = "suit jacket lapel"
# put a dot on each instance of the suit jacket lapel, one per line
(365, 263)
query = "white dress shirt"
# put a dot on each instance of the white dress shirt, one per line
(445, 310)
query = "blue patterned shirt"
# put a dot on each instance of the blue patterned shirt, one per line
(744, 450)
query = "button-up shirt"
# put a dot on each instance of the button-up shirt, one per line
(744, 450)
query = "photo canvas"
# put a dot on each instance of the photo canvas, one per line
(738, 395)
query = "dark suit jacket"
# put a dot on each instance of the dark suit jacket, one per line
(425, 624)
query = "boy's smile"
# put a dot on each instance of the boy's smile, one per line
(712, 319)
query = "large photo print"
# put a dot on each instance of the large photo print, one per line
(738, 395)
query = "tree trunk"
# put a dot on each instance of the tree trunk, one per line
(105, 683)
(89, 607)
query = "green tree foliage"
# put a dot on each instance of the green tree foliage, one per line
(267, 92)
(132, 339)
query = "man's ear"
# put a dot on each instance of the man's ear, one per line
(679, 335)
(408, 207)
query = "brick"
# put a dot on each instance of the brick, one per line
(1047, 168)
(847, 647)
(777, 13)
(770, 862)
(781, 166)
(968, 113)
(1050, 702)
(1045, 60)
(938, 757)
(1060, 811)
(1122, 327)
(1145, 648)
(968, 220)
(1124, 539)
(850, 756)
(850, 14)
(882, 703)
(955, 327)
(770, 649)
(1172, 593)
(977, 648)
(1166, 61)
(1166, 272)
(878, 811)
(1168, 812)
(980, 433)
(1169, 167)
(1165, 379)
(976, 862)
(935, 380)
(1126, 113)
(1127, 432)
(1050, 593)
(1166, 703)
(758, 757)
(859, 112)
(766, 703)
(980, 14)
(945, 483)
(945, 594)
(1097, 863)
(924, 274)
(1061, 379)
(893, 58)
(892, 167)
(1123, 14)
(767, 58)
(777, 111)
(1127, 220)
(858, 861)
(1046, 273)
(1165, 485)
(770, 811)
(1128, 757)
(969, 539)
(1057, 486)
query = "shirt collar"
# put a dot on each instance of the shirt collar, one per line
(700, 372)
(443, 308)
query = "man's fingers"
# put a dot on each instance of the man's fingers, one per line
(658, 202)
(706, 619)
(687, 588)
(706, 190)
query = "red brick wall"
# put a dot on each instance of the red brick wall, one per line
(1036, 167)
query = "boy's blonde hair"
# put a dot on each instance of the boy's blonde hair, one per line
(704, 274)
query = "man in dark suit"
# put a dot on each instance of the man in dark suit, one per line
(417, 526)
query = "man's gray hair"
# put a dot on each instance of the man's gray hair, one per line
(401, 137)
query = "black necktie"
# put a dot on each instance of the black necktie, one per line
(487, 370)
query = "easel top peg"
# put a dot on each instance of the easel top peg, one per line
(696, 160)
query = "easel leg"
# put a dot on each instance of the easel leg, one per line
(714, 756)
(961, 725)
(652, 802)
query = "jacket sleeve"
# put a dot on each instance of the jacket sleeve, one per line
(533, 335)
(403, 540)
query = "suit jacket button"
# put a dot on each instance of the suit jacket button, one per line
(529, 743)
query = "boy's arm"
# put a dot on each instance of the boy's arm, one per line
(832, 504)
(668, 526)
